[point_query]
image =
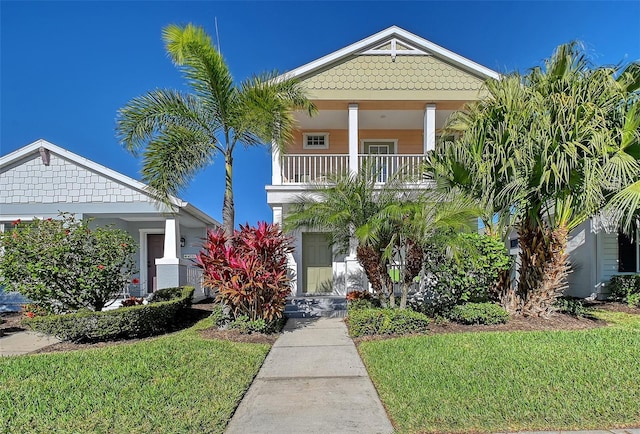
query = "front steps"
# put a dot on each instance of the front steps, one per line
(328, 306)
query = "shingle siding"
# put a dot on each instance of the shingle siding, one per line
(61, 182)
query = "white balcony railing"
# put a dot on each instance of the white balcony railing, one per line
(302, 169)
(404, 167)
(307, 168)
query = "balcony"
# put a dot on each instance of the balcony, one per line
(308, 168)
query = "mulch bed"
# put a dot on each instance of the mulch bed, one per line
(203, 309)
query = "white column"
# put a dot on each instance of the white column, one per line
(171, 237)
(277, 216)
(276, 168)
(168, 267)
(429, 128)
(353, 138)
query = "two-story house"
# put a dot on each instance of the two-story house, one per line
(383, 100)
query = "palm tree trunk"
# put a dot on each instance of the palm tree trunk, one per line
(543, 271)
(370, 260)
(228, 210)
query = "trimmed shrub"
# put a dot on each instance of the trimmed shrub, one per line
(248, 326)
(166, 294)
(479, 313)
(124, 323)
(621, 287)
(363, 322)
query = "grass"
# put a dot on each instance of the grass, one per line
(510, 381)
(173, 384)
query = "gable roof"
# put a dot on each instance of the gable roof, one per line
(394, 41)
(42, 146)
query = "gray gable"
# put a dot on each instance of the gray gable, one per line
(61, 181)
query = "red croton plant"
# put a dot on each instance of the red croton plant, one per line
(250, 273)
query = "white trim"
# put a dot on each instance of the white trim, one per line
(386, 34)
(305, 137)
(393, 142)
(143, 257)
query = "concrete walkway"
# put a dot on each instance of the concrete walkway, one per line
(15, 344)
(312, 381)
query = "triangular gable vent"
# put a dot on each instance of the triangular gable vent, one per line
(395, 47)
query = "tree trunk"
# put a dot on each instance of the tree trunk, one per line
(543, 271)
(370, 259)
(228, 209)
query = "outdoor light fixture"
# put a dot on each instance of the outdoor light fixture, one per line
(183, 242)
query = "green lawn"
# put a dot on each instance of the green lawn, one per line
(489, 382)
(174, 384)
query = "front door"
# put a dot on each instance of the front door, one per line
(155, 250)
(379, 161)
(317, 264)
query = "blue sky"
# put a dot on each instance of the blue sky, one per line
(67, 67)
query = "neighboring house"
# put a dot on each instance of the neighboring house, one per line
(41, 180)
(597, 252)
(383, 100)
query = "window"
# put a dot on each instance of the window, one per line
(628, 253)
(316, 141)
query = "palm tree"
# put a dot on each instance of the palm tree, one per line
(386, 221)
(348, 209)
(180, 133)
(545, 148)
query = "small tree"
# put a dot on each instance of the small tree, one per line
(63, 265)
(250, 272)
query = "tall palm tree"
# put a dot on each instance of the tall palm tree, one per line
(546, 148)
(180, 133)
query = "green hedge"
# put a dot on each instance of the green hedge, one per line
(623, 286)
(364, 322)
(123, 323)
(479, 313)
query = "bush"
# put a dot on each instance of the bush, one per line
(63, 265)
(364, 322)
(166, 294)
(479, 313)
(250, 275)
(623, 287)
(248, 326)
(361, 300)
(123, 323)
(469, 276)
(571, 306)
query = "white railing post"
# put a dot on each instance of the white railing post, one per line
(353, 138)
(276, 167)
(429, 128)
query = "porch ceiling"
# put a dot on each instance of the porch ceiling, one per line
(371, 119)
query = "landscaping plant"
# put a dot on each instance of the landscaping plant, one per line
(469, 275)
(479, 313)
(625, 288)
(180, 133)
(548, 149)
(64, 265)
(249, 272)
(363, 322)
